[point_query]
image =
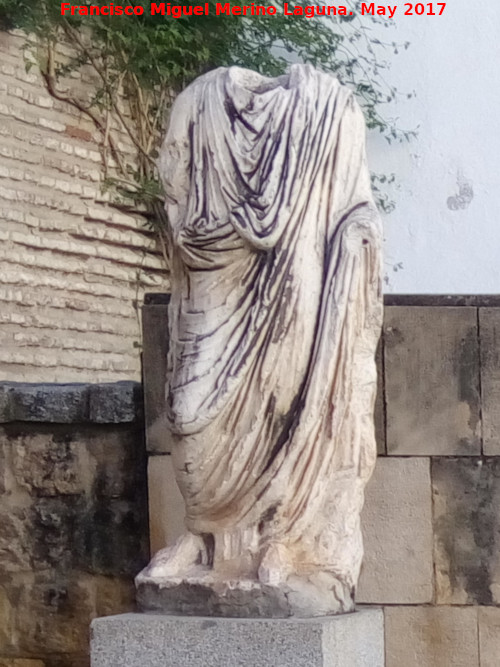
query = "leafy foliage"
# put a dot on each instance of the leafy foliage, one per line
(149, 58)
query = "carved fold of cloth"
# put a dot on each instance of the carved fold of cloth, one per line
(275, 314)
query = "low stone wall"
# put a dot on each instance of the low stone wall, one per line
(73, 516)
(432, 512)
(73, 505)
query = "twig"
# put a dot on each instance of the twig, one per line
(50, 82)
(74, 35)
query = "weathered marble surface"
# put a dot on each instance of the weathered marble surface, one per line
(274, 320)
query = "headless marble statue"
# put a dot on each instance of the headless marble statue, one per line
(274, 320)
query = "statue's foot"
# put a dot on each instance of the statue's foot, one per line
(276, 566)
(177, 559)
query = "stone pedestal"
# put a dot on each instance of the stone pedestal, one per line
(317, 595)
(153, 640)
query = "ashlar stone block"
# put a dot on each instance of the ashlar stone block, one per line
(54, 530)
(47, 465)
(467, 530)
(41, 402)
(113, 538)
(432, 381)
(166, 504)
(115, 402)
(431, 637)
(117, 462)
(489, 327)
(489, 636)
(397, 532)
(53, 615)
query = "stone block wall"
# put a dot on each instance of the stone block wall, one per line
(73, 268)
(432, 513)
(73, 516)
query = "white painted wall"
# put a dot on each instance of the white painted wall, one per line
(453, 65)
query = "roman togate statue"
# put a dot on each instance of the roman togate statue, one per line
(274, 319)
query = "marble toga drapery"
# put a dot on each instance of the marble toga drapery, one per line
(274, 317)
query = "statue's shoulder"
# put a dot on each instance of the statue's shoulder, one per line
(297, 76)
(208, 77)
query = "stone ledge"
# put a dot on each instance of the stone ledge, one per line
(440, 300)
(136, 640)
(107, 403)
(475, 300)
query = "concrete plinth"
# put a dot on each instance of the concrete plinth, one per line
(151, 640)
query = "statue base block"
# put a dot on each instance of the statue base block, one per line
(156, 640)
(317, 595)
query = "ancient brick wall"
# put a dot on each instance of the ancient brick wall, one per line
(73, 516)
(431, 520)
(72, 268)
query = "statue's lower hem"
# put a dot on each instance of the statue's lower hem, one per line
(304, 597)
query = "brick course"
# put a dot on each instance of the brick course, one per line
(71, 264)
